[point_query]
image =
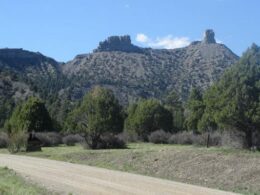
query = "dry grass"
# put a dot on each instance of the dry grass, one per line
(227, 169)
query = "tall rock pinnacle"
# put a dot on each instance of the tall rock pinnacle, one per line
(209, 37)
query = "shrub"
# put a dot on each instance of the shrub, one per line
(17, 142)
(113, 141)
(71, 140)
(159, 137)
(129, 136)
(49, 139)
(215, 138)
(3, 140)
(233, 139)
(184, 137)
(106, 141)
(199, 139)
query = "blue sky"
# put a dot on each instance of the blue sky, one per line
(64, 28)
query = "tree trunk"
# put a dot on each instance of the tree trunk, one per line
(208, 139)
(249, 138)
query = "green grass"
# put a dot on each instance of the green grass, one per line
(13, 184)
(221, 168)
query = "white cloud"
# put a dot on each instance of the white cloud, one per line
(170, 42)
(142, 38)
(219, 41)
(167, 42)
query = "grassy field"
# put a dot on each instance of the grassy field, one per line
(226, 169)
(13, 184)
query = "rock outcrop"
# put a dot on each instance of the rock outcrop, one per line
(118, 43)
(209, 37)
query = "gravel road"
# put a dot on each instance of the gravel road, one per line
(65, 178)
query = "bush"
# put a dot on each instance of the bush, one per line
(3, 140)
(188, 138)
(17, 142)
(49, 139)
(215, 138)
(71, 140)
(230, 138)
(199, 139)
(184, 137)
(159, 137)
(129, 136)
(233, 139)
(106, 141)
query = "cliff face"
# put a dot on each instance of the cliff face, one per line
(145, 72)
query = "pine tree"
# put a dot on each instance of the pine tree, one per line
(31, 116)
(195, 107)
(148, 116)
(235, 99)
(174, 104)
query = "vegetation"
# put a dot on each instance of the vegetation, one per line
(174, 104)
(234, 101)
(49, 139)
(147, 116)
(159, 137)
(31, 116)
(99, 113)
(13, 184)
(195, 108)
(71, 140)
(3, 140)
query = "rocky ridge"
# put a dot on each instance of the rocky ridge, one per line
(118, 43)
(149, 72)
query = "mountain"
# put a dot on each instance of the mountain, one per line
(23, 74)
(33, 68)
(133, 72)
(130, 71)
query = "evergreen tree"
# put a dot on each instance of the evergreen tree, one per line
(99, 113)
(28, 117)
(31, 116)
(147, 116)
(235, 99)
(174, 105)
(195, 108)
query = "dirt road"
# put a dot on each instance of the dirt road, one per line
(68, 178)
